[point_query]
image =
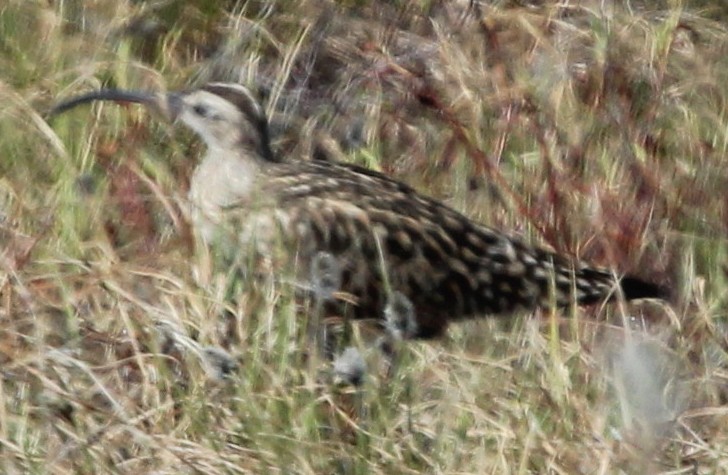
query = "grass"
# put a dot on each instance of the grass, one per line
(593, 128)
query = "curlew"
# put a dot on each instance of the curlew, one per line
(385, 237)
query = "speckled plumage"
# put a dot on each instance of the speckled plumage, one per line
(384, 235)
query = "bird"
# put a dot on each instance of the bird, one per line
(385, 237)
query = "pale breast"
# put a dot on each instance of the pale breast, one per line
(221, 182)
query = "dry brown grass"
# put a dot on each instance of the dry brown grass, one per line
(594, 128)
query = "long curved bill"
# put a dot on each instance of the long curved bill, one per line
(166, 104)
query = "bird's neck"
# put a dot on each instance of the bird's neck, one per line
(224, 178)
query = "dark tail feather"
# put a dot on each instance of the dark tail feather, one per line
(634, 288)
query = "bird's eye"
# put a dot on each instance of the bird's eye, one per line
(200, 110)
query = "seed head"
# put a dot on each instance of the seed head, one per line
(399, 314)
(325, 275)
(350, 367)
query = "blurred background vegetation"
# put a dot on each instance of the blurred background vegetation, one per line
(595, 127)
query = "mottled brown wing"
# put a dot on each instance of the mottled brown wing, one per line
(383, 232)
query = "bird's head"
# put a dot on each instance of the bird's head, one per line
(226, 116)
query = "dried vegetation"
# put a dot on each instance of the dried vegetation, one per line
(598, 128)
